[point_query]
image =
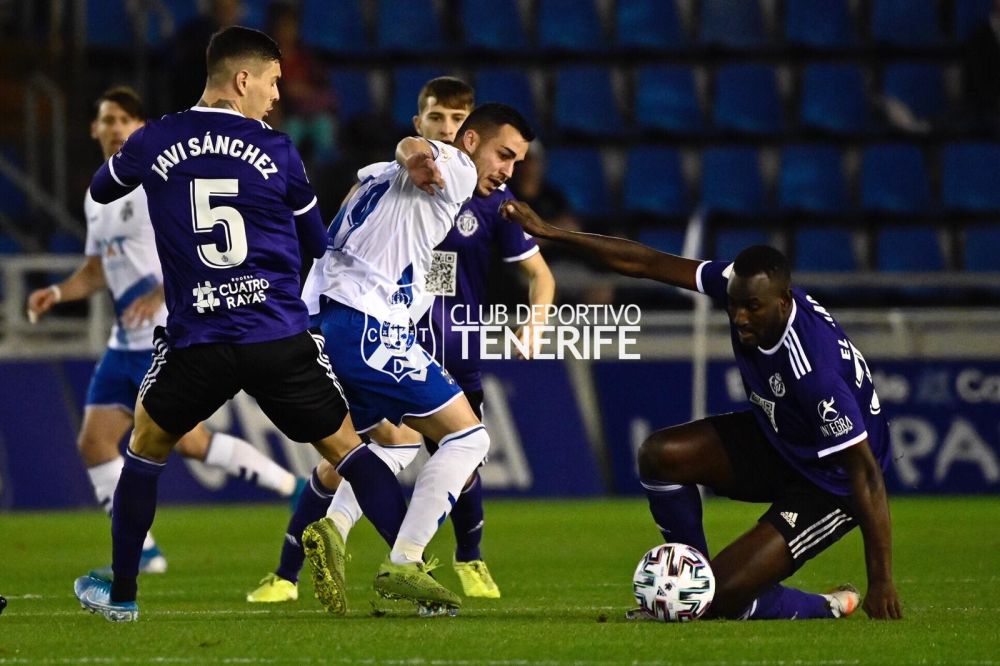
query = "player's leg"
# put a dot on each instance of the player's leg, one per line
(672, 462)
(468, 520)
(238, 458)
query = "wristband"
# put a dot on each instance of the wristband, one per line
(56, 292)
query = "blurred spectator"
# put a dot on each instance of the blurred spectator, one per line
(981, 72)
(186, 52)
(307, 109)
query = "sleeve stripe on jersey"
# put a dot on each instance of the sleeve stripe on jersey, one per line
(306, 208)
(521, 257)
(697, 277)
(111, 169)
(796, 355)
(840, 447)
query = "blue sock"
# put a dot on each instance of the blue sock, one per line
(467, 519)
(377, 490)
(787, 603)
(312, 505)
(131, 517)
(677, 512)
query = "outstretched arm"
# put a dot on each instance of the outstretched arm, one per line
(872, 509)
(541, 292)
(620, 255)
(417, 156)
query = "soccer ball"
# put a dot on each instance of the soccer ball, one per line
(674, 583)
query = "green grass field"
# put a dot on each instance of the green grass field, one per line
(564, 569)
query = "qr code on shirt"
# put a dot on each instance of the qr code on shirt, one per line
(441, 276)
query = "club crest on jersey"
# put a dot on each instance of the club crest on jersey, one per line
(777, 385)
(391, 346)
(467, 223)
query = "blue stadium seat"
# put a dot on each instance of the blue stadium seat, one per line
(354, 97)
(651, 25)
(747, 99)
(894, 179)
(569, 25)
(585, 102)
(824, 249)
(61, 242)
(900, 249)
(732, 23)
(109, 25)
(970, 14)
(812, 180)
(918, 85)
(731, 180)
(406, 85)
(664, 240)
(408, 26)
(906, 22)
(654, 182)
(730, 242)
(9, 244)
(971, 178)
(834, 98)
(12, 199)
(509, 85)
(492, 26)
(337, 27)
(819, 24)
(181, 11)
(579, 173)
(666, 99)
(982, 248)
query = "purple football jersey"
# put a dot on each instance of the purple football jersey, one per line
(229, 201)
(812, 392)
(468, 250)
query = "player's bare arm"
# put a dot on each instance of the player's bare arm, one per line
(541, 292)
(872, 511)
(86, 280)
(417, 156)
(144, 308)
(620, 255)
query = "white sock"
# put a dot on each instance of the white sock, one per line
(104, 479)
(438, 486)
(344, 510)
(241, 459)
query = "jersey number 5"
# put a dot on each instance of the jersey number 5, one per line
(206, 217)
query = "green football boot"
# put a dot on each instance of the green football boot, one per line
(327, 554)
(413, 582)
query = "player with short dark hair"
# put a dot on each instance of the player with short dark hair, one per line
(814, 445)
(230, 206)
(121, 256)
(366, 293)
(459, 267)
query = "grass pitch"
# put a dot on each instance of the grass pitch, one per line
(564, 569)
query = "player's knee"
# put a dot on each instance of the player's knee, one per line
(475, 440)
(660, 457)
(327, 474)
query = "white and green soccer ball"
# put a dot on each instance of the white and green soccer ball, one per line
(674, 583)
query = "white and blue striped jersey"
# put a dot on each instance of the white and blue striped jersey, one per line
(812, 391)
(381, 242)
(121, 234)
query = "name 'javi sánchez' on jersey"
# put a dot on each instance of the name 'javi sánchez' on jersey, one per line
(213, 144)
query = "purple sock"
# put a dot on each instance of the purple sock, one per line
(131, 517)
(677, 512)
(312, 505)
(787, 603)
(467, 519)
(377, 490)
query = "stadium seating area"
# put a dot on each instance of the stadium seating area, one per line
(835, 128)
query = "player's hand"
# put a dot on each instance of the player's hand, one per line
(41, 301)
(882, 603)
(143, 309)
(520, 212)
(526, 335)
(424, 172)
